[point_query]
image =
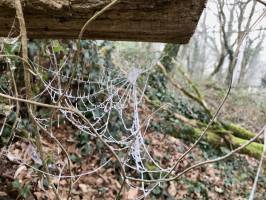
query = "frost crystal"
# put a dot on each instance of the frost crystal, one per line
(115, 94)
(133, 75)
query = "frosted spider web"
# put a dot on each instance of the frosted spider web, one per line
(115, 93)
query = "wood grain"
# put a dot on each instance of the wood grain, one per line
(132, 20)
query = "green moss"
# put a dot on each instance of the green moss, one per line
(254, 149)
(211, 137)
(239, 131)
(194, 133)
(216, 138)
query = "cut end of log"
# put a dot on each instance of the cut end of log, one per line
(170, 21)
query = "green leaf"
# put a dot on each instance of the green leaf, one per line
(25, 191)
(16, 184)
(57, 47)
(74, 158)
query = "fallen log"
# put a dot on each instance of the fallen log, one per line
(217, 136)
(239, 131)
(138, 20)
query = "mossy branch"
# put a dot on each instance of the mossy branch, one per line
(218, 136)
(240, 131)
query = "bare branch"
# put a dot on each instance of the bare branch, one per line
(262, 2)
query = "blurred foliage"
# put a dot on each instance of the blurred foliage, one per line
(24, 190)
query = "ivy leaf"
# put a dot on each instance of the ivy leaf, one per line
(57, 47)
(25, 191)
(16, 184)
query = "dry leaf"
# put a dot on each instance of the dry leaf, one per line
(19, 170)
(35, 156)
(84, 188)
(11, 157)
(172, 189)
(131, 194)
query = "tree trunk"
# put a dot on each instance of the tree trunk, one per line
(231, 68)
(157, 79)
(218, 67)
(138, 20)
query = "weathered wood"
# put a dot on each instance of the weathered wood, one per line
(137, 20)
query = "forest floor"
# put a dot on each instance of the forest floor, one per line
(228, 179)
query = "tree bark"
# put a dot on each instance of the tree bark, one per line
(139, 20)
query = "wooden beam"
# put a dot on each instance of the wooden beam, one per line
(132, 20)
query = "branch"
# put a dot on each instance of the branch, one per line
(262, 2)
(222, 157)
(204, 162)
(27, 80)
(75, 111)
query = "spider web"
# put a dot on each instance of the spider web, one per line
(115, 93)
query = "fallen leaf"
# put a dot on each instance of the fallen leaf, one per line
(218, 189)
(131, 194)
(172, 189)
(19, 170)
(84, 188)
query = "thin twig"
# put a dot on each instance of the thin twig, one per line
(209, 124)
(3, 126)
(204, 162)
(12, 133)
(75, 111)
(262, 2)
(27, 80)
(252, 194)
